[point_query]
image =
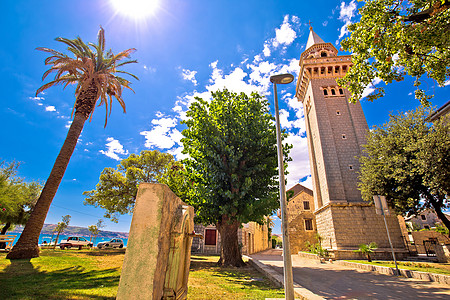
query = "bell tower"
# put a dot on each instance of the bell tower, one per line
(336, 131)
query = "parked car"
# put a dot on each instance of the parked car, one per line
(76, 242)
(114, 243)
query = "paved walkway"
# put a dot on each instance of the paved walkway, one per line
(332, 281)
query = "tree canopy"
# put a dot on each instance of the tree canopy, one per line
(117, 188)
(232, 164)
(394, 38)
(17, 197)
(408, 161)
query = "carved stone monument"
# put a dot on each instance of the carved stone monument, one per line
(157, 260)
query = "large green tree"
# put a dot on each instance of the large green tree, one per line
(408, 161)
(117, 188)
(394, 38)
(17, 197)
(94, 71)
(232, 164)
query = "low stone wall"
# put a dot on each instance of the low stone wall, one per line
(382, 254)
(440, 278)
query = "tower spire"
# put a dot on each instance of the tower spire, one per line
(313, 38)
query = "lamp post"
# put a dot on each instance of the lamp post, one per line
(288, 278)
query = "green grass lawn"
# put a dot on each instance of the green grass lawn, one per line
(438, 268)
(95, 274)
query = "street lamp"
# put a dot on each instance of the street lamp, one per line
(288, 279)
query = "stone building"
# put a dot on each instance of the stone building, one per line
(301, 219)
(252, 237)
(336, 131)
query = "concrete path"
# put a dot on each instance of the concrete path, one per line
(332, 281)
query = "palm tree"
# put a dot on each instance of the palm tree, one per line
(367, 249)
(94, 72)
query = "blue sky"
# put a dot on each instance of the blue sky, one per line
(185, 48)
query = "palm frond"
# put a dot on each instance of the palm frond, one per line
(128, 73)
(89, 65)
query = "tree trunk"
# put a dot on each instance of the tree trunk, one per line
(5, 228)
(440, 214)
(27, 245)
(56, 240)
(368, 258)
(230, 254)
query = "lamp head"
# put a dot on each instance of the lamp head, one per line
(282, 78)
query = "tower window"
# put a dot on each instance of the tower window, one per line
(322, 70)
(325, 92)
(333, 92)
(350, 167)
(344, 68)
(308, 224)
(330, 70)
(338, 113)
(423, 217)
(341, 91)
(306, 205)
(344, 137)
(336, 69)
(323, 54)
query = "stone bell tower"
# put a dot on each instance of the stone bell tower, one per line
(336, 131)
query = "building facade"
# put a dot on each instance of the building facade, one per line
(252, 237)
(336, 131)
(301, 218)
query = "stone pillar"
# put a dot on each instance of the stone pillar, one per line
(157, 260)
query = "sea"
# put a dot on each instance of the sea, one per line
(48, 238)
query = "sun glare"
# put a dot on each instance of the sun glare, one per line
(137, 9)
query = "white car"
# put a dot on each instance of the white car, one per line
(76, 242)
(114, 243)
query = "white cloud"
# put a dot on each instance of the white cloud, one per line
(299, 166)
(149, 69)
(346, 13)
(307, 182)
(36, 98)
(284, 35)
(189, 75)
(163, 135)
(68, 124)
(113, 149)
(266, 50)
(50, 108)
(325, 23)
(370, 87)
(447, 82)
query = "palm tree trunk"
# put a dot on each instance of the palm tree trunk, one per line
(27, 245)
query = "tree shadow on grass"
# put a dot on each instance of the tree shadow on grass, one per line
(245, 276)
(20, 280)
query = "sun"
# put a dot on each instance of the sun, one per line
(137, 9)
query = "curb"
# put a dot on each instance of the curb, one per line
(299, 291)
(433, 277)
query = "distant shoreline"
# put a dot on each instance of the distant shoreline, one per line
(48, 229)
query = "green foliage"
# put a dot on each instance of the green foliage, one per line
(317, 248)
(394, 38)
(117, 188)
(232, 164)
(17, 198)
(408, 161)
(91, 66)
(63, 224)
(367, 249)
(441, 229)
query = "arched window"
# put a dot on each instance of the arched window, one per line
(325, 92)
(323, 54)
(333, 92)
(341, 91)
